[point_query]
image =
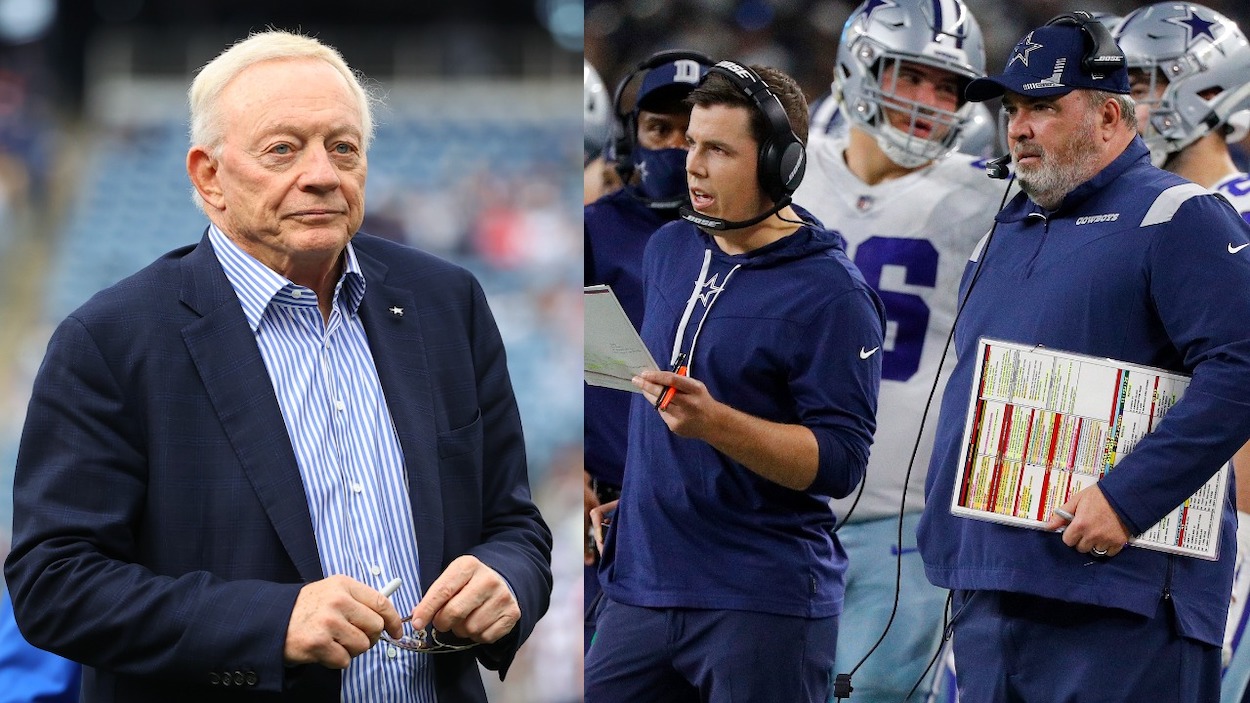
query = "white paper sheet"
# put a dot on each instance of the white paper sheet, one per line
(613, 351)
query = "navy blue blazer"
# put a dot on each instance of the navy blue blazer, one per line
(161, 531)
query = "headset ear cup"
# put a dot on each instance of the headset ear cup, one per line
(793, 166)
(781, 168)
(624, 148)
(1102, 54)
(769, 169)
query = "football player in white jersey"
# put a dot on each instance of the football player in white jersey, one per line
(912, 210)
(1189, 70)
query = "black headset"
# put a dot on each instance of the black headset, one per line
(782, 159)
(626, 138)
(1102, 54)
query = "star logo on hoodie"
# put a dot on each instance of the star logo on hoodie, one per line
(710, 290)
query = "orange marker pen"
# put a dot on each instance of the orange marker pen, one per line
(679, 368)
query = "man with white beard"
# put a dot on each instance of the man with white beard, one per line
(1104, 255)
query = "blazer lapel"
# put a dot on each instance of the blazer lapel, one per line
(391, 322)
(224, 351)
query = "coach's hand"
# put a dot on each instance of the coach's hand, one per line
(470, 600)
(336, 619)
(1096, 529)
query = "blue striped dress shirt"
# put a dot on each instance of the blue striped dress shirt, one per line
(345, 443)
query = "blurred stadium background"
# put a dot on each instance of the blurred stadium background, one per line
(801, 36)
(475, 159)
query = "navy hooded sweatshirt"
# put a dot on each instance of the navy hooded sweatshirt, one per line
(790, 333)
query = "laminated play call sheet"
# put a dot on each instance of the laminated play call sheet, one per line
(1043, 424)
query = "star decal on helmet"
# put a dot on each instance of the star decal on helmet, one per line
(1195, 25)
(874, 5)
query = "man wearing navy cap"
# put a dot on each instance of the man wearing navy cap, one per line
(650, 155)
(1102, 254)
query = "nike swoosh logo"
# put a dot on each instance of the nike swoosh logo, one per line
(865, 354)
(1234, 249)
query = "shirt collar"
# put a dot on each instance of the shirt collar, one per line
(1022, 205)
(258, 286)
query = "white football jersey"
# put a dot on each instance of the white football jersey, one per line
(911, 237)
(1236, 189)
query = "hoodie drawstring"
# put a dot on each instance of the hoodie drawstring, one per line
(685, 316)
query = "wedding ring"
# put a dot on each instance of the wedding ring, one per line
(1098, 552)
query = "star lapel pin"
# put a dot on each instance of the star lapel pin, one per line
(397, 311)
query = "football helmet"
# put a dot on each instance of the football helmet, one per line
(980, 133)
(1110, 20)
(596, 113)
(881, 33)
(1203, 61)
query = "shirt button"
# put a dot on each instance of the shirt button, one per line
(357, 486)
(375, 570)
(391, 652)
(297, 294)
(340, 405)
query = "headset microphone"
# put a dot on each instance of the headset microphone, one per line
(716, 223)
(997, 168)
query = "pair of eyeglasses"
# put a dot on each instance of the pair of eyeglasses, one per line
(428, 640)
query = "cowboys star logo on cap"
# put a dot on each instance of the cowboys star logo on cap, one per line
(1048, 63)
(1023, 49)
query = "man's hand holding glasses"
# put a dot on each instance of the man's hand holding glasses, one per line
(336, 619)
(467, 605)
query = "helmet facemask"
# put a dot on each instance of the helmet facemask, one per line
(919, 133)
(880, 44)
(1162, 129)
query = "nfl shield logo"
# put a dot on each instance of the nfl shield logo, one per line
(864, 203)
